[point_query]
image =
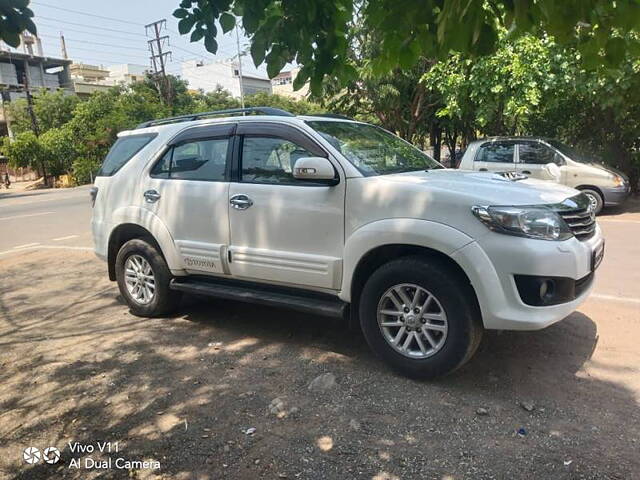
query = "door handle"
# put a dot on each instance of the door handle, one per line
(483, 170)
(240, 202)
(527, 172)
(151, 196)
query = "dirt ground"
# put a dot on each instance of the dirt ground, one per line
(222, 391)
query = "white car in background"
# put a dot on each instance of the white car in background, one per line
(551, 160)
(335, 217)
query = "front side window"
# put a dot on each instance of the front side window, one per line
(270, 160)
(496, 152)
(122, 151)
(535, 153)
(196, 160)
(373, 150)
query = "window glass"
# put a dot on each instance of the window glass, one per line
(535, 153)
(122, 151)
(270, 160)
(162, 168)
(372, 150)
(496, 153)
(200, 160)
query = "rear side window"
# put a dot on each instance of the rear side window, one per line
(496, 152)
(122, 151)
(197, 160)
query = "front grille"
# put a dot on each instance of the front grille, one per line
(581, 222)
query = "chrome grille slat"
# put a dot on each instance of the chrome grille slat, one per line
(580, 222)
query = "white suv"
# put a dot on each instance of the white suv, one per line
(339, 218)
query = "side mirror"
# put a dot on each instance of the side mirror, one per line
(558, 159)
(313, 168)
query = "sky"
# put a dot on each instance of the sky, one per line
(108, 32)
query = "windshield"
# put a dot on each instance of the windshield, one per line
(372, 150)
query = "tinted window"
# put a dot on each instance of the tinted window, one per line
(122, 151)
(535, 153)
(270, 160)
(496, 152)
(198, 160)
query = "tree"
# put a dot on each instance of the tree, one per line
(315, 33)
(26, 151)
(52, 109)
(15, 17)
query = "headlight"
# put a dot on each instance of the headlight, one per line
(532, 222)
(618, 181)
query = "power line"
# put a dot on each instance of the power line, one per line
(92, 43)
(87, 14)
(99, 51)
(58, 27)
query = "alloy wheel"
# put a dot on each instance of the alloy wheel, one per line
(139, 279)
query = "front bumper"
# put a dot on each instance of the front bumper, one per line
(493, 261)
(615, 195)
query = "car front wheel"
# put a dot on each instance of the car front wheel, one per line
(420, 317)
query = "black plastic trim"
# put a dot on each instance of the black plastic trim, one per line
(564, 289)
(203, 132)
(274, 296)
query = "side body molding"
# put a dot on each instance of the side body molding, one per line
(405, 231)
(151, 222)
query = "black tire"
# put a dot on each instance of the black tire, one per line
(164, 300)
(595, 197)
(456, 298)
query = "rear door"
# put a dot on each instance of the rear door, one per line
(495, 156)
(534, 159)
(283, 229)
(188, 188)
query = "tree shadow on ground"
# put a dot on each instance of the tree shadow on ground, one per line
(184, 390)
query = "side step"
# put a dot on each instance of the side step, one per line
(293, 299)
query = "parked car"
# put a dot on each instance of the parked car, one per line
(539, 157)
(339, 218)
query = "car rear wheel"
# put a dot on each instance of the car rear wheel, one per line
(420, 317)
(143, 279)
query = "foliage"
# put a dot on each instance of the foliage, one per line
(315, 33)
(59, 149)
(25, 151)
(15, 17)
(297, 107)
(52, 109)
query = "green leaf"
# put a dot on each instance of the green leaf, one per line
(614, 51)
(210, 42)
(227, 21)
(257, 52)
(180, 13)
(186, 24)
(197, 35)
(12, 39)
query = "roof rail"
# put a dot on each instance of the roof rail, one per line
(330, 115)
(197, 116)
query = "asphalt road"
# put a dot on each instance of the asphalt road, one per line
(39, 218)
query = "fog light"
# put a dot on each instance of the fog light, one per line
(547, 288)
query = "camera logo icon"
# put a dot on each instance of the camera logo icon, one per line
(31, 455)
(51, 455)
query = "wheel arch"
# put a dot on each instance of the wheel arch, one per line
(121, 235)
(591, 187)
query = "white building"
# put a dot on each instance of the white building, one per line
(127, 73)
(208, 76)
(282, 84)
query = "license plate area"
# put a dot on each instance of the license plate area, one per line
(597, 256)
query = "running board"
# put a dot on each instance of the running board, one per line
(293, 299)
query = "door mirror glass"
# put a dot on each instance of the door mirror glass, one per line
(313, 168)
(558, 159)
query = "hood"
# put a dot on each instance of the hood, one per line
(487, 188)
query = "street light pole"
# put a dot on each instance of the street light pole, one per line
(240, 67)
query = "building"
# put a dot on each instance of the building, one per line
(209, 76)
(127, 73)
(32, 68)
(93, 78)
(282, 84)
(88, 79)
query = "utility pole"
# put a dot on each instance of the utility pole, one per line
(240, 67)
(32, 115)
(158, 57)
(63, 45)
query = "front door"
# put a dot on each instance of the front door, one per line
(188, 190)
(283, 229)
(495, 156)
